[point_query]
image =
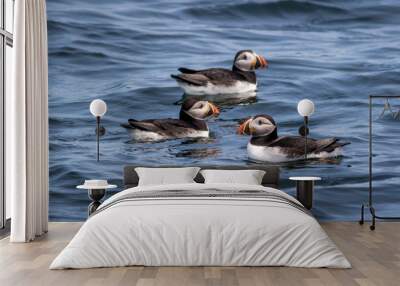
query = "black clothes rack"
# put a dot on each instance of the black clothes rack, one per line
(370, 197)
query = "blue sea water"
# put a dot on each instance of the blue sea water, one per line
(335, 53)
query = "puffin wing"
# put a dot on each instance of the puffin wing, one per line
(220, 76)
(145, 125)
(161, 126)
(186, 70)
(294, 145)
(329, 145)
(203, 77)
(192, 78)
(167, 124)
(173, 127)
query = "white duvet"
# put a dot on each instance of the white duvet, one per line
(200, 231)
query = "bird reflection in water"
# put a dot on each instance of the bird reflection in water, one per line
(199, 153)
(224, 99)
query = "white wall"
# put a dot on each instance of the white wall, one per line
(9, 26)
(9, 61)
(9, 9)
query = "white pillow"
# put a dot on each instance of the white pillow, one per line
(248, 177)
(166, 176)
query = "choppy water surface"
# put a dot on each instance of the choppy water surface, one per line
(335, 53)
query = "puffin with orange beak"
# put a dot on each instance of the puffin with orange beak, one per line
(191, 123)
(265, 145)
(214, 81)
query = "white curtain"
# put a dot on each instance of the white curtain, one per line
(27, 123)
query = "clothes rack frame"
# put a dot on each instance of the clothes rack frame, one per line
(369, 204)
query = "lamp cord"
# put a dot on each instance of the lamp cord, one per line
(305, 135)
(98, 137)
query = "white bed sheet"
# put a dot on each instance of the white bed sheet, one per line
(200, 232)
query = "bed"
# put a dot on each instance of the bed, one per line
(198, 224)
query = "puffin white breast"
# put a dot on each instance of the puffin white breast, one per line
(267, 154)
(212, 89)
(142, 135)
(276, 154)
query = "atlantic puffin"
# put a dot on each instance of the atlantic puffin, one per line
(265, 145)
(213, 81)
(191, 123)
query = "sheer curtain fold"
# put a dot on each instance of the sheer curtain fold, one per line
(27, 121)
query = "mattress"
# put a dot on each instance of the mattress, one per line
(201, 225)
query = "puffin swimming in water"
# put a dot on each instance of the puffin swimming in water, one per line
(213, 81)
(191, 123)
(265, 145)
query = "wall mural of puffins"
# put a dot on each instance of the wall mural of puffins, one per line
(247, 67)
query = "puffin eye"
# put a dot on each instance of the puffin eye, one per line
(260, 122)
(201, 105)
(245, 57)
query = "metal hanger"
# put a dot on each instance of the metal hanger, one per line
(388, 107)
(397, 115)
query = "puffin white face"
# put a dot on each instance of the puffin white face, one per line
(203, 109)
(261, 126)
(249, 61)
(258, 126)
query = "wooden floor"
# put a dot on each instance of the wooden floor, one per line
(375, 257)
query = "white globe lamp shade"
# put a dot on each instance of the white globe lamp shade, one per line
(305, 107)
(98, 108)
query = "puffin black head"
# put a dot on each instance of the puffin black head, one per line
(259, 125)
(247, 60)
(199, 109)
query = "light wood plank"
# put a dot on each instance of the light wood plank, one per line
(375, 257)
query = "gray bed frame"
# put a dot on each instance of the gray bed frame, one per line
(271, 177)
